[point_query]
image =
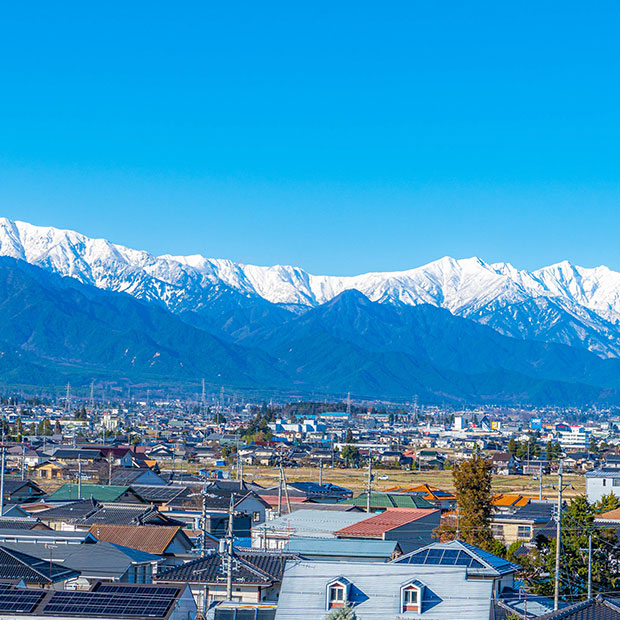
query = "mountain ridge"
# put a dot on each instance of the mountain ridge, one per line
(572, 305)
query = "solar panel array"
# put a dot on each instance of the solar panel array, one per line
(137, 589)
(443, 557)
(142, 603)
(18, 600)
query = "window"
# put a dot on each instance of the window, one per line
(497, 529)
(336, 594)
(256, 516)
(616, 482)
(411, 598)
(523, 531)
(604, 482)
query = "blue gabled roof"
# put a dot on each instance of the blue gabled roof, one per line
(459, 553)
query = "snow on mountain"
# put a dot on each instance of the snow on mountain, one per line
(561, 302)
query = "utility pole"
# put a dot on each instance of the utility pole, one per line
(558, 541)
(203, 520)
(280, 493)
(79, 476)
(203, 400)
(540, 483)
(229, 548)
(369, 486)
(288, 499)
(458, 523)
(110, 468)
(589, 566)
(92, 396)
(321, 472)
(23, 461)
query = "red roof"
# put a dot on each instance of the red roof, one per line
(377, 525)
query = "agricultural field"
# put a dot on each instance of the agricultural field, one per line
(356, 479)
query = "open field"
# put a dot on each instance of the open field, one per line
(356, 480)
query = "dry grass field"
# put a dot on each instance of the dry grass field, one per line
(355, 479)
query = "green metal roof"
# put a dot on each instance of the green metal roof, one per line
(390, 500)
(99, 492)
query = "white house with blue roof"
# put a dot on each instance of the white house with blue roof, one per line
(443, 581)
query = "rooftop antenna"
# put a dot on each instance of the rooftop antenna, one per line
(369, 487)
(203, 519)
(229, 548)
(79, 476)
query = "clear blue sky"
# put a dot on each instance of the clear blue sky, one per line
(339, 136)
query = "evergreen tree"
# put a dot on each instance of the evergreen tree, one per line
(350, 454)
(472, 481)
(512, 446)
(606, 503)
(577, 525)
(346, 612)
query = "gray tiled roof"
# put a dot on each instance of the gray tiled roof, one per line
(33, 570)
(255, 567)
(599, 608)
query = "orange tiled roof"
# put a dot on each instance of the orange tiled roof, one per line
(429, 491)
(610, 514)
(510, 499)
(374, 527)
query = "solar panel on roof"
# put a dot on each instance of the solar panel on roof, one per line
(19, 600)
(145, 604)
(108, 587)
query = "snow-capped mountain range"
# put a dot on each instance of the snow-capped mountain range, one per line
(560, 303)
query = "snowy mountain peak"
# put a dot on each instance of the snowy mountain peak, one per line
(467, 287)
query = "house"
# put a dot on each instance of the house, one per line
(32, 570)
(129, 476)
(85, 455)
(405, 525)
(217, 501)
(50, 470)
(508, 502)
(598, 608)
(276, 533)
(383, 501)
(481, 565)
(99, 492)
(322, 492)
(436, 496)
(444, 581)
(95, 562)
(361, 550)
(21, 491)
(156, 539)
(105, 601)
(505, 464)
(256, 576)
(523, 523)
(601, 482)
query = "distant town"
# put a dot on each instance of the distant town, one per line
(218, 509)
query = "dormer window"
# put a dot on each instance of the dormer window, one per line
(338, 593)
(411, 597)
(336, 596)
